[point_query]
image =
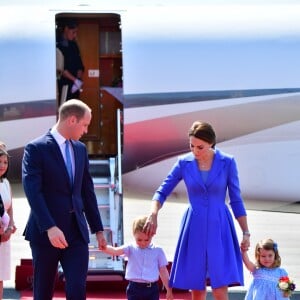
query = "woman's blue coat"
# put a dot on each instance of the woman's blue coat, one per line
(207, 245)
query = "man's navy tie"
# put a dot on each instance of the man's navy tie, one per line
(68, 161)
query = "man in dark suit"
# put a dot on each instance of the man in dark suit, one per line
(60, 206)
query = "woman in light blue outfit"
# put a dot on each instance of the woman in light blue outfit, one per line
(266, 272)
(207, 251)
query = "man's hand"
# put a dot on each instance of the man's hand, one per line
(57, 238)
(101, 240)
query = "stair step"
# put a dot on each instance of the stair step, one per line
(100, 168)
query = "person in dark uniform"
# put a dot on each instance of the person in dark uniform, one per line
(70, 81)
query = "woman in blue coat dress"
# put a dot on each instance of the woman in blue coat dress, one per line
(207, 251)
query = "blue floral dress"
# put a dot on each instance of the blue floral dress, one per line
(264, 284)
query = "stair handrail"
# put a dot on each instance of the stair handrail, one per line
(119, 147)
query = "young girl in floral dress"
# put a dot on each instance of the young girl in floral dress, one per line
(266, 273)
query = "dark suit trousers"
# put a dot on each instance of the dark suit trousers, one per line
(74, 262)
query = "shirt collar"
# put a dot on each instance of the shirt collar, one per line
(57, 136)
(151, 246)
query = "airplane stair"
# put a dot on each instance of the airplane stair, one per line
(103, 267)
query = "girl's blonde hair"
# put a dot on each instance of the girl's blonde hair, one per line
(267, 244)
(138, 224)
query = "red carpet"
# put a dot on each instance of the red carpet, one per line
(104, 295)
(102, 290)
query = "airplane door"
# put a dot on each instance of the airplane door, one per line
(99, 41)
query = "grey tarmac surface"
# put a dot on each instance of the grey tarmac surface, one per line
(282, 224)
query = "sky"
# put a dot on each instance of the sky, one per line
(144, 3)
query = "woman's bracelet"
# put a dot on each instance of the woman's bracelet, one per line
(247, 233)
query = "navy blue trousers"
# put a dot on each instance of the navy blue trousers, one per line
(74, 262)
(142, 291)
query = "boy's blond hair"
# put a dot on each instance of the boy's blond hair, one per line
(138, 224)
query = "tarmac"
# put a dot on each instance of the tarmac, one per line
(279, 221)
